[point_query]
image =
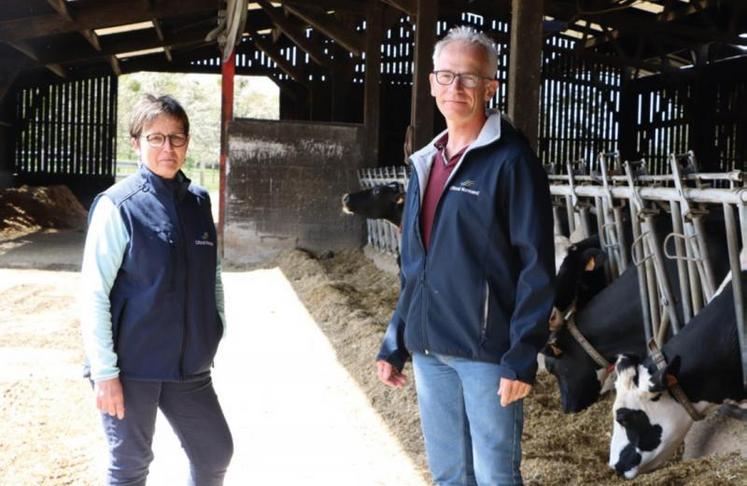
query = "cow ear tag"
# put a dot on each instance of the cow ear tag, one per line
(671, 380)
(591, 264)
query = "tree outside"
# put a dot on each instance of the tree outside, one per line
(200, 94)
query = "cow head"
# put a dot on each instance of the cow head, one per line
(577, 375)
(580, 275)
(385, 201)
(649, 425)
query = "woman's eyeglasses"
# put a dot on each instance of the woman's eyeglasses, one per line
(156, 140)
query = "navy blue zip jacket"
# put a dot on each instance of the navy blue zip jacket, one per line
(484, 290)
(165, 322)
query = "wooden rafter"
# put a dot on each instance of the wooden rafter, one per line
(159, 33)
(406, 6)
(294, 32)
(134, 41)
(355, 7)
(116, 68)
(274, 53)
(61, 7)
(29, 51)
(98, 15)
(92, 38)
(348, 39)
(7, 76)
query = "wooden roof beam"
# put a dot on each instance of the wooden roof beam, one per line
(406, 6)
(159, 33)
(98, 15)
(295, 33)
(121, 43)
(274, 53)
(92, 38)
(116, 68)
(348, 6)
(348, 39)
(28, 51)
(61, 7)
(7, 76)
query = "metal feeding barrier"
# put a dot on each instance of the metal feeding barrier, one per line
(382, 235)
(688, 196)
(605, 190)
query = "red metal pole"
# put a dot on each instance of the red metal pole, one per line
(228, 70)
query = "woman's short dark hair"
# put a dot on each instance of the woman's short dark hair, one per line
(150, 107)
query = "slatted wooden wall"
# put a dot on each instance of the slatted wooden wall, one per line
(579, 103)
(702, 111)
(67, 129)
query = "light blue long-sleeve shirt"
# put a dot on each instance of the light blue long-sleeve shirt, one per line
(105, 247)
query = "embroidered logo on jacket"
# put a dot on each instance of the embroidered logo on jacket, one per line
(205, 240)
(466, 187)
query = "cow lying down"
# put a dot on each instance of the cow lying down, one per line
(704, 359)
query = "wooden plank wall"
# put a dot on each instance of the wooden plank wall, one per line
(67, 128)
(703, 112)
(579, 106)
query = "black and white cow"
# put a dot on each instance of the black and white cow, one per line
(580, 274)
(385, 201)
(612, 322)
(704, 358)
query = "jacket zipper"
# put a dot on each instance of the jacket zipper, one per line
(485, 307)
(186, 285)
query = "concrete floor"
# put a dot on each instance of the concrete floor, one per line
(296, 415)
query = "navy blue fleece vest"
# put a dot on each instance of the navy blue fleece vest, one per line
(164, 318)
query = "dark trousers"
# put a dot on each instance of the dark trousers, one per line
(194, 413)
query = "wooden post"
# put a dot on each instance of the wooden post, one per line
(421, 111)
(372, 94)
(228, 69)
(525, 68)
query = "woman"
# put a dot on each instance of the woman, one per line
(153, 305)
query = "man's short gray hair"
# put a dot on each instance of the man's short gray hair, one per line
(470, 36)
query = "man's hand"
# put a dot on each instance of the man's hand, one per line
(512, 390)
(389, 375)
(109, 397)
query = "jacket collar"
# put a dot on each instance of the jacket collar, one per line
(178, 185)
(422, 160)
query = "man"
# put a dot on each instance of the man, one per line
(477, 273)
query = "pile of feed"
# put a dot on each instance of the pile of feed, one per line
(352, 300)
(28, 209)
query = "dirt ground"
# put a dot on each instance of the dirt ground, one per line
(352, 300)
(49, 431)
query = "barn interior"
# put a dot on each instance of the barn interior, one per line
(644, 78)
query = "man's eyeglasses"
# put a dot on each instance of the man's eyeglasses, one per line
(468, 80)
(157, 140)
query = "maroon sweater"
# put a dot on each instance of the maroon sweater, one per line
(440, 171)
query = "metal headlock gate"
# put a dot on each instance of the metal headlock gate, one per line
(685, 193)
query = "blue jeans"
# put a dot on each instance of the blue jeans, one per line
(470, 439)
(194, 413)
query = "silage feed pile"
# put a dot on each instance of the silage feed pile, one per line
(27, 209)
(352, 301)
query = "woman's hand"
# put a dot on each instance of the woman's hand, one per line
(109, 397)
